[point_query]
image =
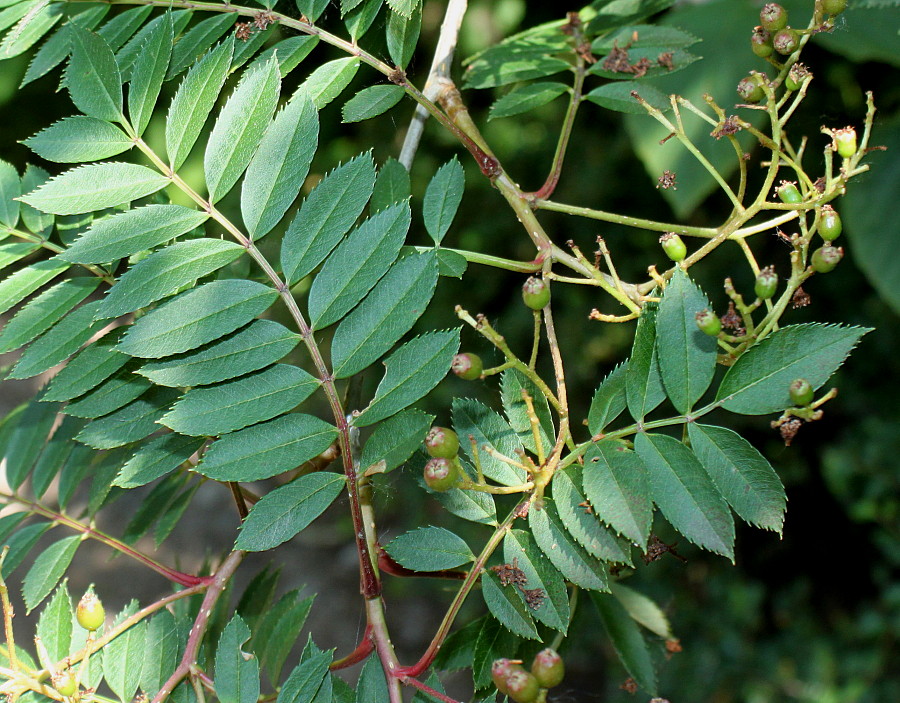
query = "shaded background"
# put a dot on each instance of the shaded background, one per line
(813, 616)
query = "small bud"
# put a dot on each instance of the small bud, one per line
(801, 392)
(536, 293)
(796, 76)
(844, 141)
(548, 668)
(521, 686)
(750, 89)
(761, 42)
(708, 322)
(766, 283)
(440, 474)
(788, 192)
(830, 225)
(833, 7)
(442, 442)
(824, 259)
(773, 17)
(786, 41)
(673, 245)
(467, 366)
(90, 612)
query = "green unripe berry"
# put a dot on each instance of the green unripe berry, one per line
(766, 283)
(788, 193)
(708, 322)
(673, 245)
(786, 41)
(548, 668)
(773, 17)
(801, 392)
(761, 42)
(500, 670)
(90, 612)
(844, 141)
(440, 474)
(536, 293)
(64, 682)
(830, 225)
(467, 366)
(795, 77)
(521, 686)
(442, 442)
(824, 259)
(833, 7)
(750, 89)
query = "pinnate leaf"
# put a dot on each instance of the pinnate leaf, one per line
(442, 198)
(55, 624)
(196, 317)
(77, 139)
(391, 186)
(10, 189)
(22, 283)
(395, 440)
(504, 603)
(759, 381)
(526, 98)
(123, 657)
(608, 401)
(149, 72)
(627, 640)
(86, 369)
(157, 458)
(371, 102)
(128, 424)
(643, 381)
(513, 385)
(553, 609)
(471, 417)
(286, 511)
(402, 36)
(237, 673)
(93, 77)
(329, 80)
(197, 40)
(47, 570)
(429, 549)
(560, 547)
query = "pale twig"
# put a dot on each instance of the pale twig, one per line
(440, 72)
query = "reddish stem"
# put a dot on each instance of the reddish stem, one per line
(363, 649)
(415, 683)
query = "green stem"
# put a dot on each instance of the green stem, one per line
(476, 257)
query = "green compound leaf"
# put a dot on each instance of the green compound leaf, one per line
(35, 220)
(14, 251)
(157, 458)
(117, 31)
(237, 672)
(123, 657)
(371, 685)
(240, 128)
(404, 7)
(56, 49)
(627, 640)
(442, 199)
(429, 549)
(306, 680)
(110, 395)
(577, 517)
(471, 417)
(54, 455)
(95, 187)
(496, 69)
(162, 651)
(356, 265)
(410, 373)
(608, 401)
(560, 547)
(279, 167)
(267, 449)
(505, 605)
(619, 96)
(149, 72)
(59, 342)
(284, 512)
(685, 493)
(391, 186)
(402, 37)
(196, 317)
(55, 624)
(216, 410)
(44, 310)
(371, 102)
(85, 370)
(37, 19)
(47, 569)
(27, 435)
(289, 52)
(687, 356)
(22, 283)
(10, 189)
(282, 628)
(643, 381)
(387, 313)
(78, 138)
(512, 386)
(526, 98)
(643, 610)
(492, 642)
(129, 424)
(326, 215)
(133, 231)
(20, 543)
(166, 272)
(741, 474)
(197, 41)
(759, 381)
(615, 483)
(261, 343)
(329, 80)
(194, 100)
(468, 505)
(92, 76)
(552, 608)
(396, 439)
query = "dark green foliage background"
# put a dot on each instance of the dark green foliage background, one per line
(812, 617)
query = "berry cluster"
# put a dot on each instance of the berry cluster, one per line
(442, 471)
(511, 679)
